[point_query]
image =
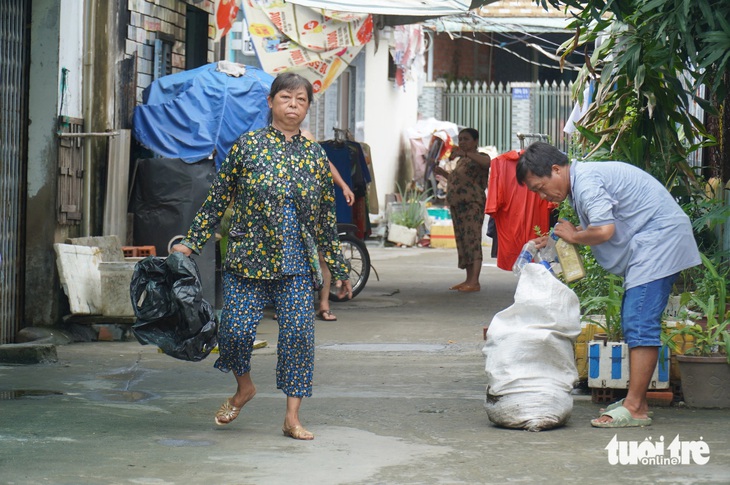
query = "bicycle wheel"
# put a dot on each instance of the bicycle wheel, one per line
(356, 254)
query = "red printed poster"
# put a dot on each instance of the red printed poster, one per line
(225, 14)
(315, 43)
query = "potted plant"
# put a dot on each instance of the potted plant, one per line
(407, 216)
(607, 346)
(608, 354)
(608, 306)
(705, 365)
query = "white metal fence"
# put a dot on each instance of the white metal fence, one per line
(490, 108)
(487, 108)
(552, 106)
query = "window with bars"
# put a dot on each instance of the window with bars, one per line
(163, 55)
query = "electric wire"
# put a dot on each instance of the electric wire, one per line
(521, 38)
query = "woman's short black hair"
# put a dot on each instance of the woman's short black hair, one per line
(289, 81)
(539, 158)
(472, 133)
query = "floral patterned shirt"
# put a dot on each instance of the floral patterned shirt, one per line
(295, 254)
(467, 183)
(261, 169)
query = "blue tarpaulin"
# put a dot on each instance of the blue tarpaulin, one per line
(190, 114)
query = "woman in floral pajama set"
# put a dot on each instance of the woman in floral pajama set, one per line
(283, 214)
(466, 198)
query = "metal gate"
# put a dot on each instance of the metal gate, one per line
(489, 108)
(552, 107)
(14, 45)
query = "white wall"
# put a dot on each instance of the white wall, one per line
(389, 111)
(70, 56)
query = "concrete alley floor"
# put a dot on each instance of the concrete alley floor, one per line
(398, 399)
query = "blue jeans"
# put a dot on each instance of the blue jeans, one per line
(641, 312)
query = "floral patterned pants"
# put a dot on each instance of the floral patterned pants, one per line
(244, 300)
(468, 220)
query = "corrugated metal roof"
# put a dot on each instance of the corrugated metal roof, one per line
(398, 12)
(392, 7)
(519, 9)
(454, 15)
(504, 16)
(476, 23)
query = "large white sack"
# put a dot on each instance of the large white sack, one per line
(530, 362)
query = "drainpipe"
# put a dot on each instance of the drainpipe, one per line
(86, 99)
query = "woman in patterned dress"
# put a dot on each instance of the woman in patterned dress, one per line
(466, 198)
(283, 200)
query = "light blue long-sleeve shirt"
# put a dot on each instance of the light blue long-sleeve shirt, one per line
(653, 236)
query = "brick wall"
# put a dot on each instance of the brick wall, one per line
(455, 59)
(153, 19)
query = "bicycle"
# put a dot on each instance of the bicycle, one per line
(357, 256)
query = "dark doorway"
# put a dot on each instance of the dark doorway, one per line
(196, 38)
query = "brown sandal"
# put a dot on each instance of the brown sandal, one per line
(327, 316)
(227, 413)
(297, 432)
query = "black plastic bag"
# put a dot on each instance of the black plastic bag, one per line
(171, 313)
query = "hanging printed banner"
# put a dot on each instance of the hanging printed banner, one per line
(315, 43)
(408, 52)
(225, 14)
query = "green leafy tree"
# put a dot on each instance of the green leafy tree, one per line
(651, 58)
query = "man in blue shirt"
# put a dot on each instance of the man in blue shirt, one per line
(635, 229)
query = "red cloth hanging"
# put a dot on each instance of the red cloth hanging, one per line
(515, 209)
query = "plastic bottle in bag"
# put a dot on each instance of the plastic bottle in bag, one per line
(548, 256)
(539, 259)
(570, 260)
(549, 253)
(528, 253)
(567, 255)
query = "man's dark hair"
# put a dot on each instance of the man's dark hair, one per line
(539, 158)
(472, 133)
(289, 81)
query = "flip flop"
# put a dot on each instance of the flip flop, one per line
(620, 418)
(619, 403)
(324, 314)
(613, 406)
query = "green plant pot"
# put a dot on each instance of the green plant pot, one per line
(705, 381)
